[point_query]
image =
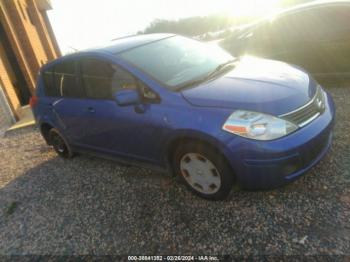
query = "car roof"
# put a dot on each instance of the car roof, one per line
(294, 9)
(122, 44)
(125, 43)
(116, 46)
(311, 5)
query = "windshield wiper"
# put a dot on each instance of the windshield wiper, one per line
(192, 83)
(208, 76)
(220, 67)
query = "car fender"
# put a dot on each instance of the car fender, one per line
(190, 134)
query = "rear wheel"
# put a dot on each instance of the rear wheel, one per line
(203, 170)
(59, 144)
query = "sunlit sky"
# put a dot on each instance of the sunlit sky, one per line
(81, 24)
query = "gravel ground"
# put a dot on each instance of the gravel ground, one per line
(91, 206)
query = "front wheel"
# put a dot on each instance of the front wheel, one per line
(204, 170)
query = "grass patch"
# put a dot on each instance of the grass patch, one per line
(11, 208)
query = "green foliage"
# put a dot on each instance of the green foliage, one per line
(11, 208)
(191, 26)
(289, 3)
(202, 25)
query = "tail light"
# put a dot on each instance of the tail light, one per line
(33, 101)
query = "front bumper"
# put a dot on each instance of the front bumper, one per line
(269, 164)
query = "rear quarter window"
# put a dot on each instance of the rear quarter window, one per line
(66, 79)
(314, 25)
(49, 87)
(61, 80)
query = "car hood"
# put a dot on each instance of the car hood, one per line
(257, 85)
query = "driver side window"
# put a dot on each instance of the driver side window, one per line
(102, 79)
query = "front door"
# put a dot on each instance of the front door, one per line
(111, 128)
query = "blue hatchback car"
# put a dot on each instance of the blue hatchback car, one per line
(189, 108)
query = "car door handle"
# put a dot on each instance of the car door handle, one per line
(91, 110)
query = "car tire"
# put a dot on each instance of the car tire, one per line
(204, 170)
(59, 144)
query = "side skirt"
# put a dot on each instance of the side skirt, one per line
(124, 161)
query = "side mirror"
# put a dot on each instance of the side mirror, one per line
(127, 97)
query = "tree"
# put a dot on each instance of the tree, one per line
(191, 26)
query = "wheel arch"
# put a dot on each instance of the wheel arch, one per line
(187, 137)
(45, 128)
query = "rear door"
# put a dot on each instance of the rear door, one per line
(316, 39)
(69, 107)
(292, 40)
(334, 39)
(287, 38)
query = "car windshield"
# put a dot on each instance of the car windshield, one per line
(177, 60)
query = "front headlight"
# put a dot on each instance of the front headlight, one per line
(258, 126)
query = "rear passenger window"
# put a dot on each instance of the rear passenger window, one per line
(332, 23)
(102, 79)
(66, 80)
(49, 86)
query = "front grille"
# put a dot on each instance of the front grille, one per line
(307, 113)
